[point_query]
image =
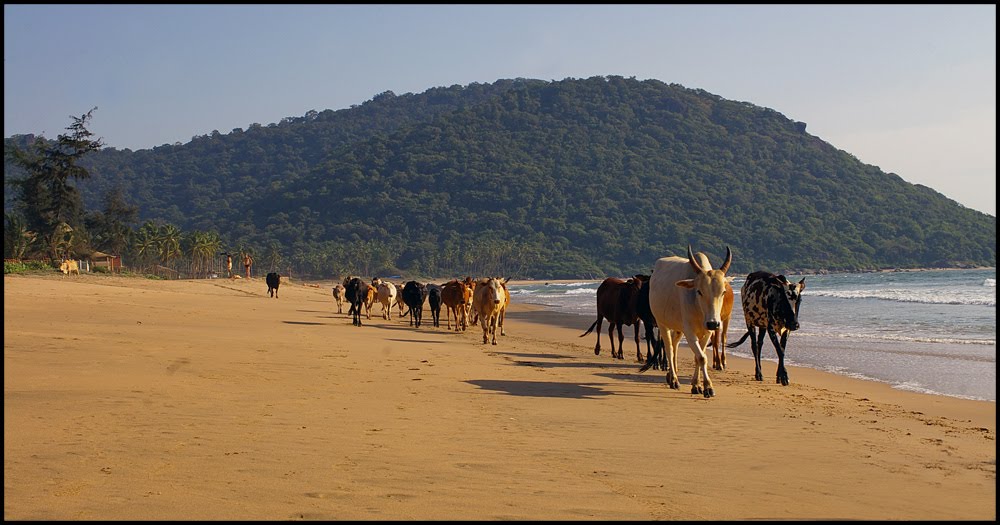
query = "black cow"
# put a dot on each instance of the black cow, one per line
(414, 295)
(434, 301)
(770, 303)
(355, 290)
(655, 357)
(273, 280)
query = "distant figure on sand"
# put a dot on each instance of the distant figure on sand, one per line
(229, 265)
(247, 263)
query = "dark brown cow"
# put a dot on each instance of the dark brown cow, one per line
(616, 302)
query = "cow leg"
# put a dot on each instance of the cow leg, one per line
(486, 329)
(756, 346)
(779, 348)
(621, 342)
(597, 347)
(673, 340)
(698, 346)
(638, 353)
(722, 341)
(611, 338)
(716, 358)
(650, 346)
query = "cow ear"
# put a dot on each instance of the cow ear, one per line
(686, 283)
(729, 278)
(802, 284)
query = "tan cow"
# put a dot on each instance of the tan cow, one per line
(369, 300)
(386, 297)
(69, 266)
(487, 302)
(338, 296)
(686, 296)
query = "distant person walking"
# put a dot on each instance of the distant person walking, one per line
(247, 263)
(229, 265)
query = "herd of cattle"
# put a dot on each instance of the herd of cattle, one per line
(685, 296)
(483, 301)
(682, 296)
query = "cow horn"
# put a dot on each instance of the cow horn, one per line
(729, 259)
(694, 263)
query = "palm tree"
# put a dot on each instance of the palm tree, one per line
(169, 243)
(203, 247)
(17, 239)
(146, 243)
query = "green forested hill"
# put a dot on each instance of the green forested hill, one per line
(575, 178)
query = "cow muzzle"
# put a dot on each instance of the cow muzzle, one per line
(712, 325)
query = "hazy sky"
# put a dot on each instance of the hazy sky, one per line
(910, 89)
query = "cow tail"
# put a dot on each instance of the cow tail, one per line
(591, 329)
(738, 343)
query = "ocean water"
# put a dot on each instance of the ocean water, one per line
(930, 331)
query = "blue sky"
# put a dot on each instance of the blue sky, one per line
(910, 89)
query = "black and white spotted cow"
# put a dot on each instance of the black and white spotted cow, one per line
(771, 304)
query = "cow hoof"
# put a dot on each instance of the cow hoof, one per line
(709, 392)
(597, 351)
(696, 390)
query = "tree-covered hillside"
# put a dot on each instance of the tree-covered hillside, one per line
(575, 178)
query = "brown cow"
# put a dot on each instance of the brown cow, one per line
(487, 302)
(719, 339)
(369, 299)
(456, 296)
(617, 301)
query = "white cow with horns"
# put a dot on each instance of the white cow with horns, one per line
(685, 296)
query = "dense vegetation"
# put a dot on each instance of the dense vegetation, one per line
(529, 178)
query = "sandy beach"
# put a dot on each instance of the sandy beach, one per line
(135, 399)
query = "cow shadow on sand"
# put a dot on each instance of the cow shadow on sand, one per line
(648, 377)
(569, 363)
(543, 388)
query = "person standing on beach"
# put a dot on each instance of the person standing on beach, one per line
(247, 263)
(229, 265)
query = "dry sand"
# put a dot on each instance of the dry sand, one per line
(207, 400)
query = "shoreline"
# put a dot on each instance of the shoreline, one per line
(140, 399)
